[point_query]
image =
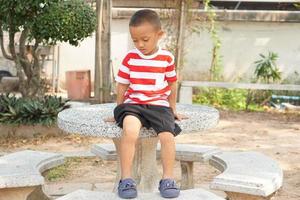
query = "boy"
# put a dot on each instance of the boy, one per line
(146, 96)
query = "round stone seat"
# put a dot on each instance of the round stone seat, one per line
(89, 120)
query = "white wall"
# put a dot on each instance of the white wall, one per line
(81, 57)
(120, 43)
(242, 42)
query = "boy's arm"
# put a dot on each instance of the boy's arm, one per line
(172, 82)
(121, 89)
(173, 96)
(172, 101)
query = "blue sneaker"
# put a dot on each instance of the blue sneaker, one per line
(127, 189)
(168, 188)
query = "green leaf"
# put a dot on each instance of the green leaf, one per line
(27, 111)
(12, 110)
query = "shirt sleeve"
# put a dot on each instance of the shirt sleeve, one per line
(170, 70)
(123, 73)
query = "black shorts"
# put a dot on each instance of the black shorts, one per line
(160, 118)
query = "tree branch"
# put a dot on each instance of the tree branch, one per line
(20, 71)
(12, 44)
(22, 41)
(23, 57)
(4, 53)
(36, 79)
(36, 55)
(36, 52)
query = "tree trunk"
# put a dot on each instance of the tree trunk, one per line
(29, 73)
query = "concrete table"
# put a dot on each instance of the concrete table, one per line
(89, 120)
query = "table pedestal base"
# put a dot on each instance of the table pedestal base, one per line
(144, 170)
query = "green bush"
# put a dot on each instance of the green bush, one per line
(234, 99)
(25, 111)
(266, 68)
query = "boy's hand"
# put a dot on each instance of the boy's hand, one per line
(110, 119)
(180, 117)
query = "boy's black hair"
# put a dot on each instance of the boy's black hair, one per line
(143, 16)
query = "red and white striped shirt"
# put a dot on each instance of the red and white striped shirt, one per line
(148, 77)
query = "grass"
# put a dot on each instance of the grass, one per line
(62, 171)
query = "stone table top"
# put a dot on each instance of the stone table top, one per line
(89, 120)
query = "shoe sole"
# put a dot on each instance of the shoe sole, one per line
(131, 196)
(170, 196)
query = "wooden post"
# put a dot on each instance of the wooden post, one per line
(180, 35)
(98, 48)
(106, 55)
(102, 52)
(180, 42)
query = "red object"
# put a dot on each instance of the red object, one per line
(78, 84)
(148, 77)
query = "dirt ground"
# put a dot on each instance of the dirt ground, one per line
(274, 134)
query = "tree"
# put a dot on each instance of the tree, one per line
(41, 22)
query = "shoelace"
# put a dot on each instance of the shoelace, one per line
(172, 184)
(127, 186)
(169, 185)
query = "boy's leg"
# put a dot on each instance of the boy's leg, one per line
(167, 153)
(131, 129)
(167, 185)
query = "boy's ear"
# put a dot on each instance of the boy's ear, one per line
(161, 33)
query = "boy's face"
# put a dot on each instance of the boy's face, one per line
(145, 37)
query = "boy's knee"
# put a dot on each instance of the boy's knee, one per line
(131, 126)
(166, 137)
(131, 123)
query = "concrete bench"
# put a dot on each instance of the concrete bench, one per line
(198, 194)
(20, 173)
(246, 175)
(187, 154)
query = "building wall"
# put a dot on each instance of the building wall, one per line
(73, 58)
(242, 42)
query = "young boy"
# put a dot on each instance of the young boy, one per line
(146, 96)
